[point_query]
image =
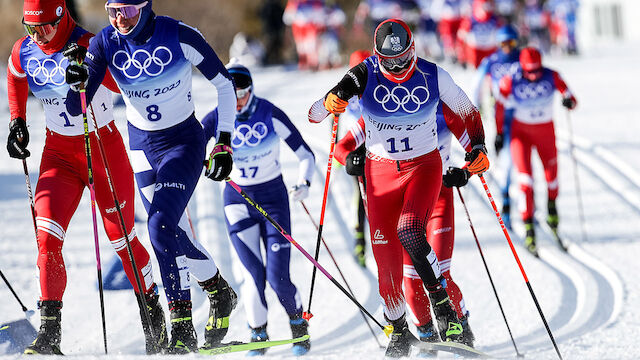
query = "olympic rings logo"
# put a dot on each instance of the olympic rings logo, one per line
(498, 70)
(132, 66)
(46, 71)
(249, 135)
(400, 97)
(533, 90)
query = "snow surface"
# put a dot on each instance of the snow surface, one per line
(590, 297)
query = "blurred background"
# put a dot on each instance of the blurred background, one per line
(317, 34)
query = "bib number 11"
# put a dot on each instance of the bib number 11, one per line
(404, 144)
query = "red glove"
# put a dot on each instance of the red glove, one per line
(478, 160)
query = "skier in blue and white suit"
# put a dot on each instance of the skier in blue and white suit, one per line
(259, 126)
(151, 59)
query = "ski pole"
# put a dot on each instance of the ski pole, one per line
(475, 237)
(307, 314)
(515, 255)
(387, 329)
(92, 192)
(123, 229)
(24, 308)
(30, 193)
(340, 271)
(577, 179)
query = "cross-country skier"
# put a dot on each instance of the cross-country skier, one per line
(399, 95)
(37, 63)
(259, 127)
(150, 57)
(440, 228)
(531, 91)
(477, 34)
(503, 62)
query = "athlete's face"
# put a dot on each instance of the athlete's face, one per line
(39, 37)
(508, 46)
(120, 22)
(242, 101)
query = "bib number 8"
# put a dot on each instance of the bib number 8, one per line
(152, 113)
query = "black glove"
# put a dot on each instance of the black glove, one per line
(220, 161)
(455, 177)
(569, 103)
(77, 71)
(354, 164)
(499, 143)
(18, 139)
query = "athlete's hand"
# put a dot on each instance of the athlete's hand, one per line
(221, 160)
(18, 139)
(569, 102)
(478, 160)
(455, 177)
(499, 143)
(334, 104)
(76, 75)
(354, 163)
(300, 192)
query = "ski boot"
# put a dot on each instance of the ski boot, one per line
(428, 333)
(183, 335)
(48, 340)
(222, 300)
(157, 342)
(258, 334)
(448, 323)
(358, 250)
(552, 221)
(400, 340)
(530, 237)
(506, 213)
(467, 334)
(299, 327)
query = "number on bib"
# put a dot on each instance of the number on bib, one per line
(152, 113)
(392, 145)
(253, 169)
(67, 123)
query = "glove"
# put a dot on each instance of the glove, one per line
(300, 192)
(18, 139)
(478, 160)
(220, 161)
(354, 163)
(77, 72)
(334, 104)
(455, 177)
(499, 143)
(569, 102)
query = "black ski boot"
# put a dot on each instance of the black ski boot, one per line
(467, 334)
(359, 249)
(428, 333)
(400, 340)
(552, 221)
(506, 212)
(222, 300)
(448, 323)
(48, 340)
(530, 237)
(299, 327)
(183, 335)
(258, 334)
(156, 343)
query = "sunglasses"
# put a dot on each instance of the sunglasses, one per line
(126, 11)
(40, 29)
(396, 64)
(240, 93)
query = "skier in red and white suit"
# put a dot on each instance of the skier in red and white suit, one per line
(530, 90)
(37, 63)
(477, 34)
(440, 228)
(399, 95)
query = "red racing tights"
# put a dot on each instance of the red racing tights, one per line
(401, 196)
(63, 178)
(523, 138)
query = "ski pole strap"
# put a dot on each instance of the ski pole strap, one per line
(221, 148)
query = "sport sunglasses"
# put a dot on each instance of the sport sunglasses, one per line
(41, 29)
(240, 93)
(127, 11)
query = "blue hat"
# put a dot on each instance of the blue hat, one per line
(141, 31)
(128, 2)
(506, 33)
(241, 75)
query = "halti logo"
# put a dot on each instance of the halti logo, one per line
(174, 185)
(379, 238)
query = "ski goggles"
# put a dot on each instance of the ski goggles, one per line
(398, 63)
(126, 11)
(40, 29)
(511, 43)
(240, 93)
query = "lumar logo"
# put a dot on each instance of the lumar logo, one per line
(34, 12)
(378, 238)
